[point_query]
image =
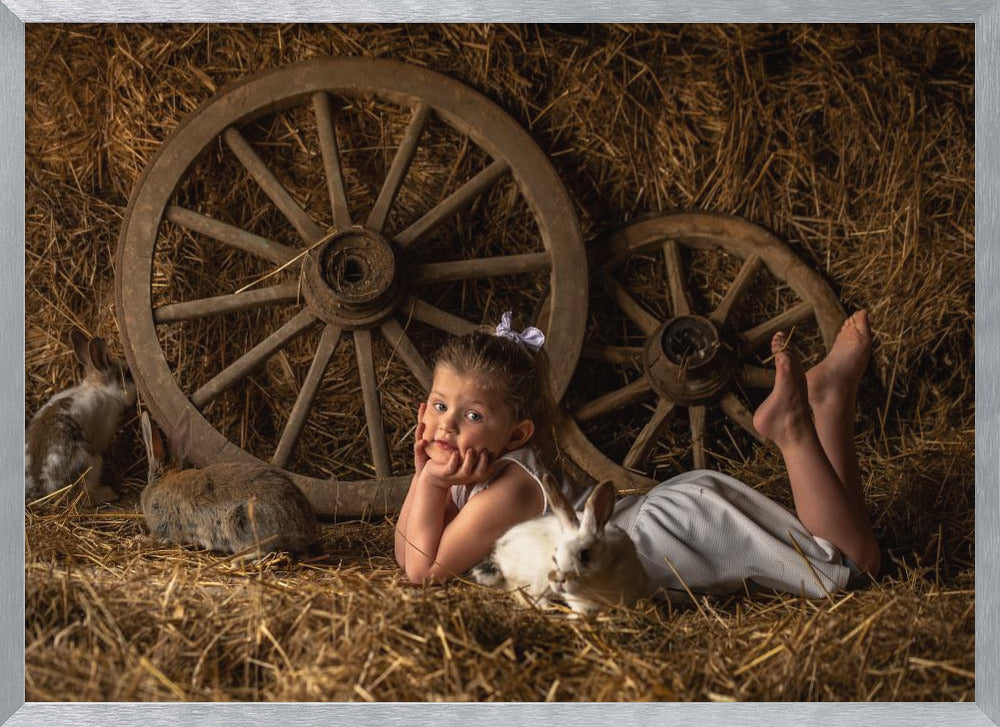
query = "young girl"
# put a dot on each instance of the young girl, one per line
(473, 464)
(701, 531)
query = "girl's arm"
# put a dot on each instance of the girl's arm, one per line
(437, 549)
(419, 460)
(402, 522)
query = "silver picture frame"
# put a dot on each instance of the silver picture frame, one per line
(986, 16)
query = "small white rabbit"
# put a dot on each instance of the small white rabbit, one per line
(596, 564)
(522, 559)
(581, 560)
(65, 439)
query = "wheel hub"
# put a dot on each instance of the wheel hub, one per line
(688, 361)
(352, 279)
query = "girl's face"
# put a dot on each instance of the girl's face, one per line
(463, 414)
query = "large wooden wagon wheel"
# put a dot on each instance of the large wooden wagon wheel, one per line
(352, 279)
(685, 357)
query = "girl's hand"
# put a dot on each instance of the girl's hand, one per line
(420, 457)
(464, 469)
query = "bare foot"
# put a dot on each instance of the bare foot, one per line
(784, 415)
(838, 375)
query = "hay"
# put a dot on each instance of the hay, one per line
(113, 617)
(852, 143)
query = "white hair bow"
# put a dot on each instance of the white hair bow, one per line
(530, 336)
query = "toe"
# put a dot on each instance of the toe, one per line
(782, 362)
(863, 322)
(859, 322)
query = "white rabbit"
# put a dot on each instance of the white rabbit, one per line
(579, 559)
(596, 564)
(65, 439)
(522, 559)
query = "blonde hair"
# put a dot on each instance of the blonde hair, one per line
(518, 374)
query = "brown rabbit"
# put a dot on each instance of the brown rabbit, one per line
(65, 439)
(229, 506)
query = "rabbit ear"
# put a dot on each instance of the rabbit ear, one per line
(98, 354)
(81, 346)
(151, 438)
(559, 504)
(179, 438)
(599, 508)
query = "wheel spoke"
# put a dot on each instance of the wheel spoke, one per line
(484, 267)
(762, 334)
(400, 165)
(303, 403)
(675, 278)
(252, 358)
(434, 316)
(401, 344)
(229, 235)
(307, 229)
(756, 377)
(617, 399)
(452, 204)
(644, 443)
(735, 410)
(373, 409)
(646, 321)
(741, 284)
(696, 415)
(612, 354)
(331, 159)
(219, 304)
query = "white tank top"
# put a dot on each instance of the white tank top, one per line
(527, 459)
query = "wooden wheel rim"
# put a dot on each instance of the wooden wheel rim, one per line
(702, 231)
(464, 110)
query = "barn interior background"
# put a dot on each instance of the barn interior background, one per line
(853, 144)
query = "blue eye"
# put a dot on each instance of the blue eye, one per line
(474, 416)
(439, 406)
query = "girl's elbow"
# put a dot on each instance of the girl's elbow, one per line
(421, 575)
(416, 573)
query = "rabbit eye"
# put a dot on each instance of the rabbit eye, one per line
(585, 556)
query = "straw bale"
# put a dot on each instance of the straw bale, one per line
(853, 144)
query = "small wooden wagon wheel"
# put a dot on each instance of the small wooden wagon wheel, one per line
(683, 357)
(353, 279)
